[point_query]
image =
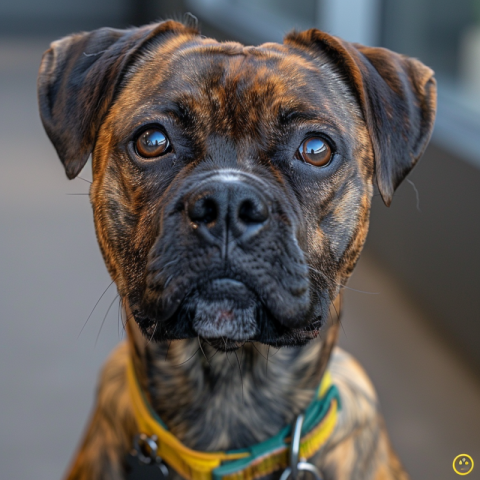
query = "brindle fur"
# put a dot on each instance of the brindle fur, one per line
(245, 110)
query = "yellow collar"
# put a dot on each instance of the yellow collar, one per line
(247, 464)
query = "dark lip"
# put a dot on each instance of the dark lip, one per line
(143, 316)
(296, 337)
(148, 322)
(283, 336)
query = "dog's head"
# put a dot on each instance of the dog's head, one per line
(232, 185)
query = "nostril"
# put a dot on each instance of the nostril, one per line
(252, 211)
(230, 210)
(204, 210)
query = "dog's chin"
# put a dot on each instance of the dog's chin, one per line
(224, 319)
(226, 314)
(223, 309)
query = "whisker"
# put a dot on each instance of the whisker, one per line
(241, 375)
(341, 285)
(339, 319)
(127, 319)
(103, 321)
(124, 317)
(259, 352)
(154, 330)
(95, 306)
(228, 359)
(200, 345)
(216, 351)
(417, 195)
(168, 349)
(267, 358)
(266, 365)
(278, 349)
(207, 342)
(183, 363)
(120, 302)
(84, 179)
(336, 311)
(226, 353)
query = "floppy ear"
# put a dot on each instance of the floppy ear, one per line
(397, 96)
(77, 82)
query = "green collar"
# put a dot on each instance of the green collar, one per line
(246, 464)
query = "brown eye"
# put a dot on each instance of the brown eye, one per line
(315, 151)
(152, 143)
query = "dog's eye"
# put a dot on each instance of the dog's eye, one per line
(316, 151)
(152, 143)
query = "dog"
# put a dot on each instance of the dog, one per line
(231, 195)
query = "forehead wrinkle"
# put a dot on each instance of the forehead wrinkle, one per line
(269, 92)
(157, 60)
(209, 51)
(226, 90)
(232, 80)
(206, 51)
(209, 46)
(153, 65)
(163, 50)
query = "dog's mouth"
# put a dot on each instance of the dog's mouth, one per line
(226, 314)
(221, 310)
(224, 308)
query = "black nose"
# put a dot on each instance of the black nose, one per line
(227, 211)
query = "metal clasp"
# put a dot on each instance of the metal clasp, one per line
(145, 449)
(296, 464)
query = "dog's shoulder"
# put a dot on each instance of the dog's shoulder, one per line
(350, 377)
(359, 446)
(114, 370)
(108, 437)
(359, 402)
(113, 396)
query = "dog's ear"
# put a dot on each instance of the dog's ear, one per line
(78, 79)
(397, 96)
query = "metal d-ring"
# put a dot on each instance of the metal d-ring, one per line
(142, 444)
(297, 465)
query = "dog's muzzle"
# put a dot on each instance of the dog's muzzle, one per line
(228, 212)
(226, 263)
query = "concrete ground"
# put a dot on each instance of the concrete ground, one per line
(51, 275)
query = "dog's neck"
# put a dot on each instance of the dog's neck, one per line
(212, 400)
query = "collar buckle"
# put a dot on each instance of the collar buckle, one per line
(296, 464)
(145, 449)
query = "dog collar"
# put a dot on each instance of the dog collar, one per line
(249, 463)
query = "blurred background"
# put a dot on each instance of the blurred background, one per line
(416, 330)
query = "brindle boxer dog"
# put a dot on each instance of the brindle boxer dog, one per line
(231, 195)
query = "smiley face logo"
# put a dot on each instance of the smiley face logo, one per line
(463, 464)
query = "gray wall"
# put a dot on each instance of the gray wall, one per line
(54, 18)
(60, 17)
(430, 30)
(435, 250)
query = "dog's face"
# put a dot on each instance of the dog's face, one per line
(232, 184)
(212, 210)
